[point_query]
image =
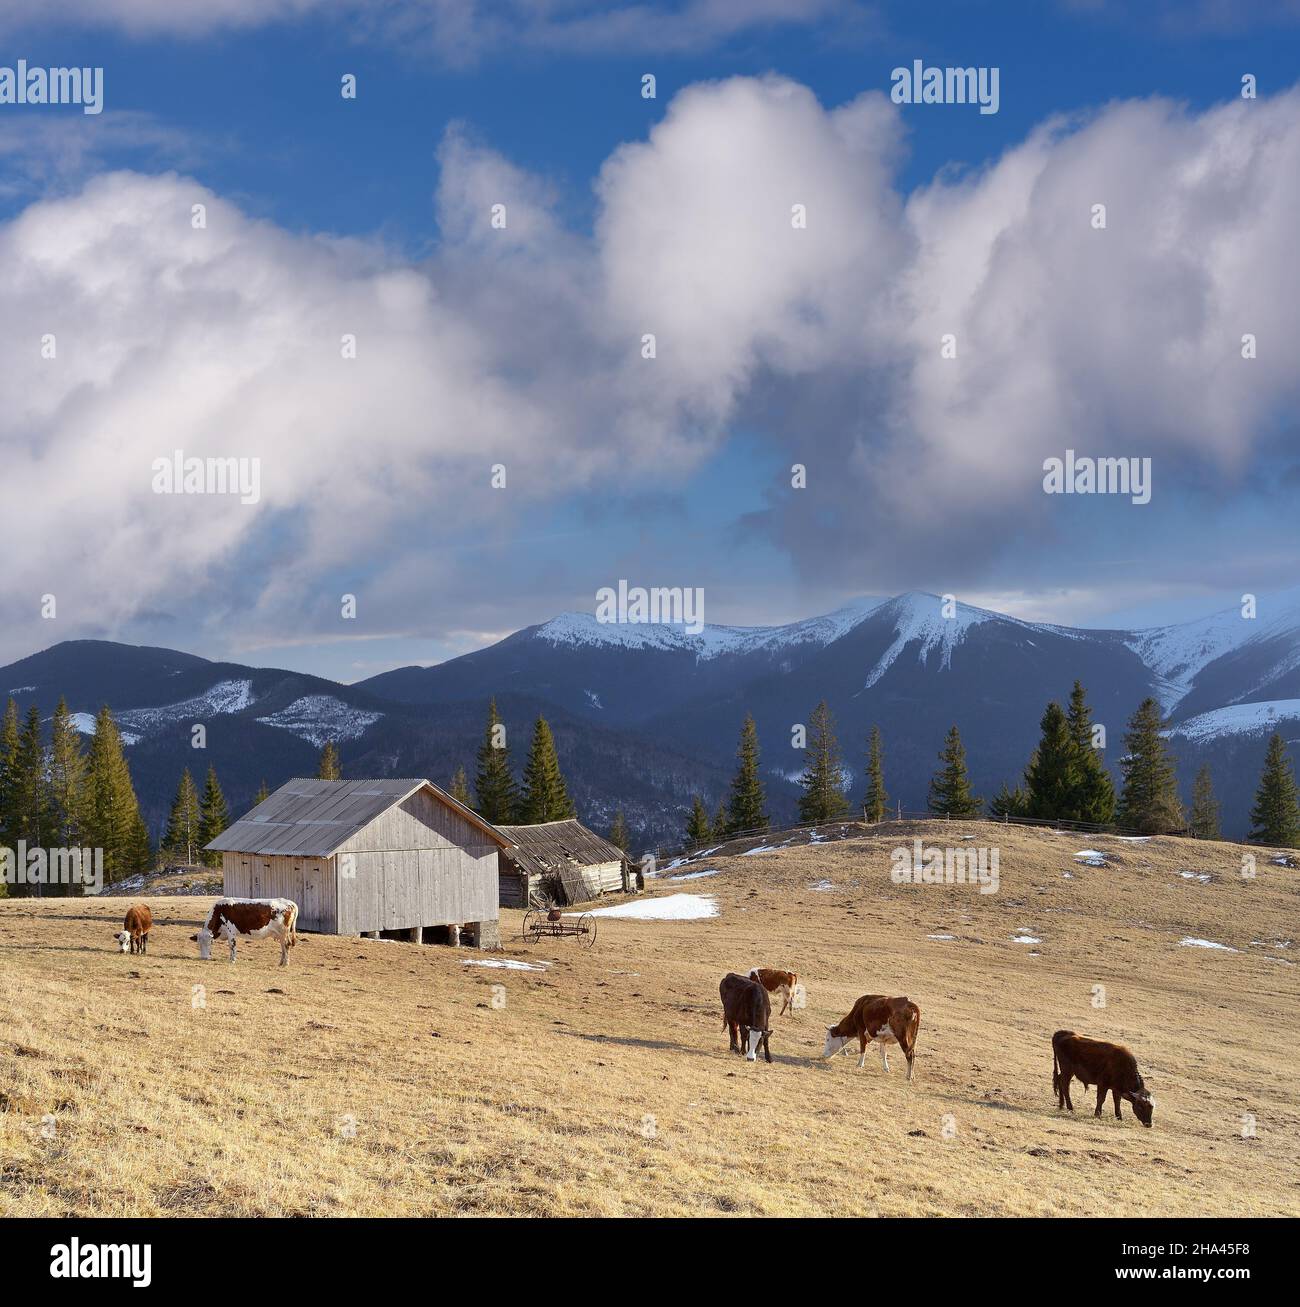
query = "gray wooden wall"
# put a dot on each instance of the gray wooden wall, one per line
(309, 882)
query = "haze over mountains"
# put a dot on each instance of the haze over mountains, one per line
(647, 715)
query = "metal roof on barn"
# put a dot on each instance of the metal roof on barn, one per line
(553, 846)
(311, 818)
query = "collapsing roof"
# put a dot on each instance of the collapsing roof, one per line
(555, 846)
(311, 818)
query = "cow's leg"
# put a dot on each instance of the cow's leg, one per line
(862, 1061)
(785, 999)
(767, 1052)
(884, 1055)
(1115, 1095)
(284, 950)
(1066, 1077)
(732, 1029)
(234, 943)
(1101, 1098)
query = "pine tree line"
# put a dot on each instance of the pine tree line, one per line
(63, 796)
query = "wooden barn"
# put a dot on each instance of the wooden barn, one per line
(559, 862)
(369, 857)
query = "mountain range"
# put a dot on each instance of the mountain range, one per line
(647, 715)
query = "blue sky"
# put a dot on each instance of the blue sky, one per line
(250, 111)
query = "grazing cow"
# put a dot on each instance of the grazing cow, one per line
(886, 1020)
(134, 936)
(747, 1011)
(778, 982)
(256, 918)
(1111, 1067)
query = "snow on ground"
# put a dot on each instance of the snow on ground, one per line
(1025, 939)
(672, 907)
(695, 875)
(822, 884)
(509, 964)
(85, 723)
(224, 697)
(1240, 719)
(919, 617)
(941, 937)
(1190, 942)
(319, 718)
(1203, 876)
(1134, 839)
(1091, 858)
(762, 848)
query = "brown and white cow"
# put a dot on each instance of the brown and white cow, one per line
(254, 918)
(134, 935)
(747, 1012)
(778, 982)
(1111, 1067)
(886, 1020)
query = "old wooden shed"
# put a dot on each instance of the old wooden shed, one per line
(559, 862)
(365, 857)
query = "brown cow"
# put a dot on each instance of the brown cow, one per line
(256, 918)
(886, 1020)
(784, 983)
(747, 1011)
(134, 936)
(1111, 1067)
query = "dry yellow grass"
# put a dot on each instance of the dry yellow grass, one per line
(379, 1078)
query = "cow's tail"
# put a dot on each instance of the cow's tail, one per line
(1056, 1071)
(292, 923)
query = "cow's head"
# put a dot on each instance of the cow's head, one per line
(1143, 1104)
(834, 1042)
(751, 1038)
(204, 938)
(123, 938)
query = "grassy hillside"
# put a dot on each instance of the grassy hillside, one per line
(384, 1078)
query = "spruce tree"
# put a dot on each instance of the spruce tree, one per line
(1053, 779)
(114, 823)
(1275, 818)
(823, 780)
(747, 810)
(67, 782)
(330, 768)
(31, 794)
(214, 817)
(618, 832)
(1095, 797)
(698, 830)
(494, 786)
(1204, 821)
(721, 821)
(262, 793)
(9, 776)
(1149, 801)
(460, 788)
(1008, 802)
(180, 842)
(546, 797)
(950, 794)
(876, 801)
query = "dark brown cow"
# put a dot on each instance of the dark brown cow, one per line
(747, 1012)
(886, 1020)
(1111, 1067)
(134, 935)
(778, 982)
(255, 918)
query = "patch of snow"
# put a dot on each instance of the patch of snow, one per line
(224, 697)
(583, 630)
(941, 937)
(1190, 942)
(1091, 858)
(21, 689)
(1025, 939)
(509, 964)
(1133, 839)
(672, 907)
(762, 848)
(1203, 876)
(319, 718)
(1239, 719)
(695, 875)
(593, 698)
(822, 885)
